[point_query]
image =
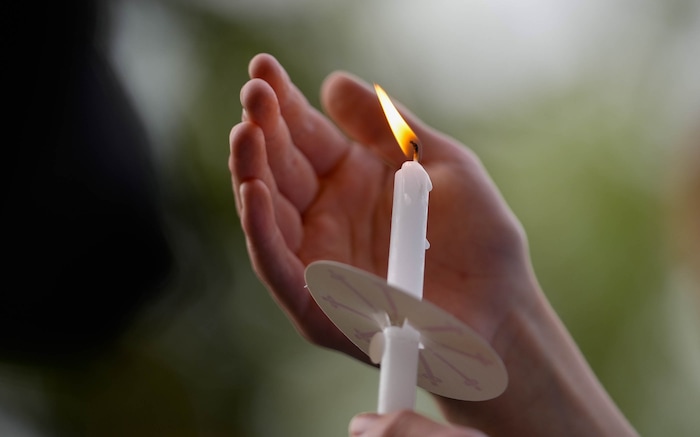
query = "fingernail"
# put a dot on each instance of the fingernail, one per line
(361, 424)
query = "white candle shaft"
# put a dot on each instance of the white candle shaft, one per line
(399, 369)
(409, 221)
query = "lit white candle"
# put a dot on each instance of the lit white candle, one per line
(407, 246)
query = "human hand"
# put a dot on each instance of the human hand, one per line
(309, 187)
(307, 191)
(405, 424)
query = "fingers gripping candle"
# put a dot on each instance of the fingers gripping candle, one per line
(408, 243)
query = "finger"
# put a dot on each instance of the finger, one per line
(405, 424)
(243, 162)
(248, 161)
(296, 178)
(354, 107)
(276, 265)
(316, 137)
(282, 271)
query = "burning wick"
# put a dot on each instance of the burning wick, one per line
(416, 151)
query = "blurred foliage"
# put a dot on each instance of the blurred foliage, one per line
(582, 167)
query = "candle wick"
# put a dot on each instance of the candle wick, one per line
(416, 150)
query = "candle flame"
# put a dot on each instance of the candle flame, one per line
(408, 141)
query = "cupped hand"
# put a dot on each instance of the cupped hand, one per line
(310, 187)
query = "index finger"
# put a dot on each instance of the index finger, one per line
(311, 131)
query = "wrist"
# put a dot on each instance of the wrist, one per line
(552, 390)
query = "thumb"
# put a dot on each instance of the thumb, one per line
(353, 105)
(405, 424)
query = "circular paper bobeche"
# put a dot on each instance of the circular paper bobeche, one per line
(454, 361)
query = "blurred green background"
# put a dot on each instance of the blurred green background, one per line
(578, 110)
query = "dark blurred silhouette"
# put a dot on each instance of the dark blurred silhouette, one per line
(83, 243)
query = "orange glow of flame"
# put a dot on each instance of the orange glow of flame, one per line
(408, 141)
